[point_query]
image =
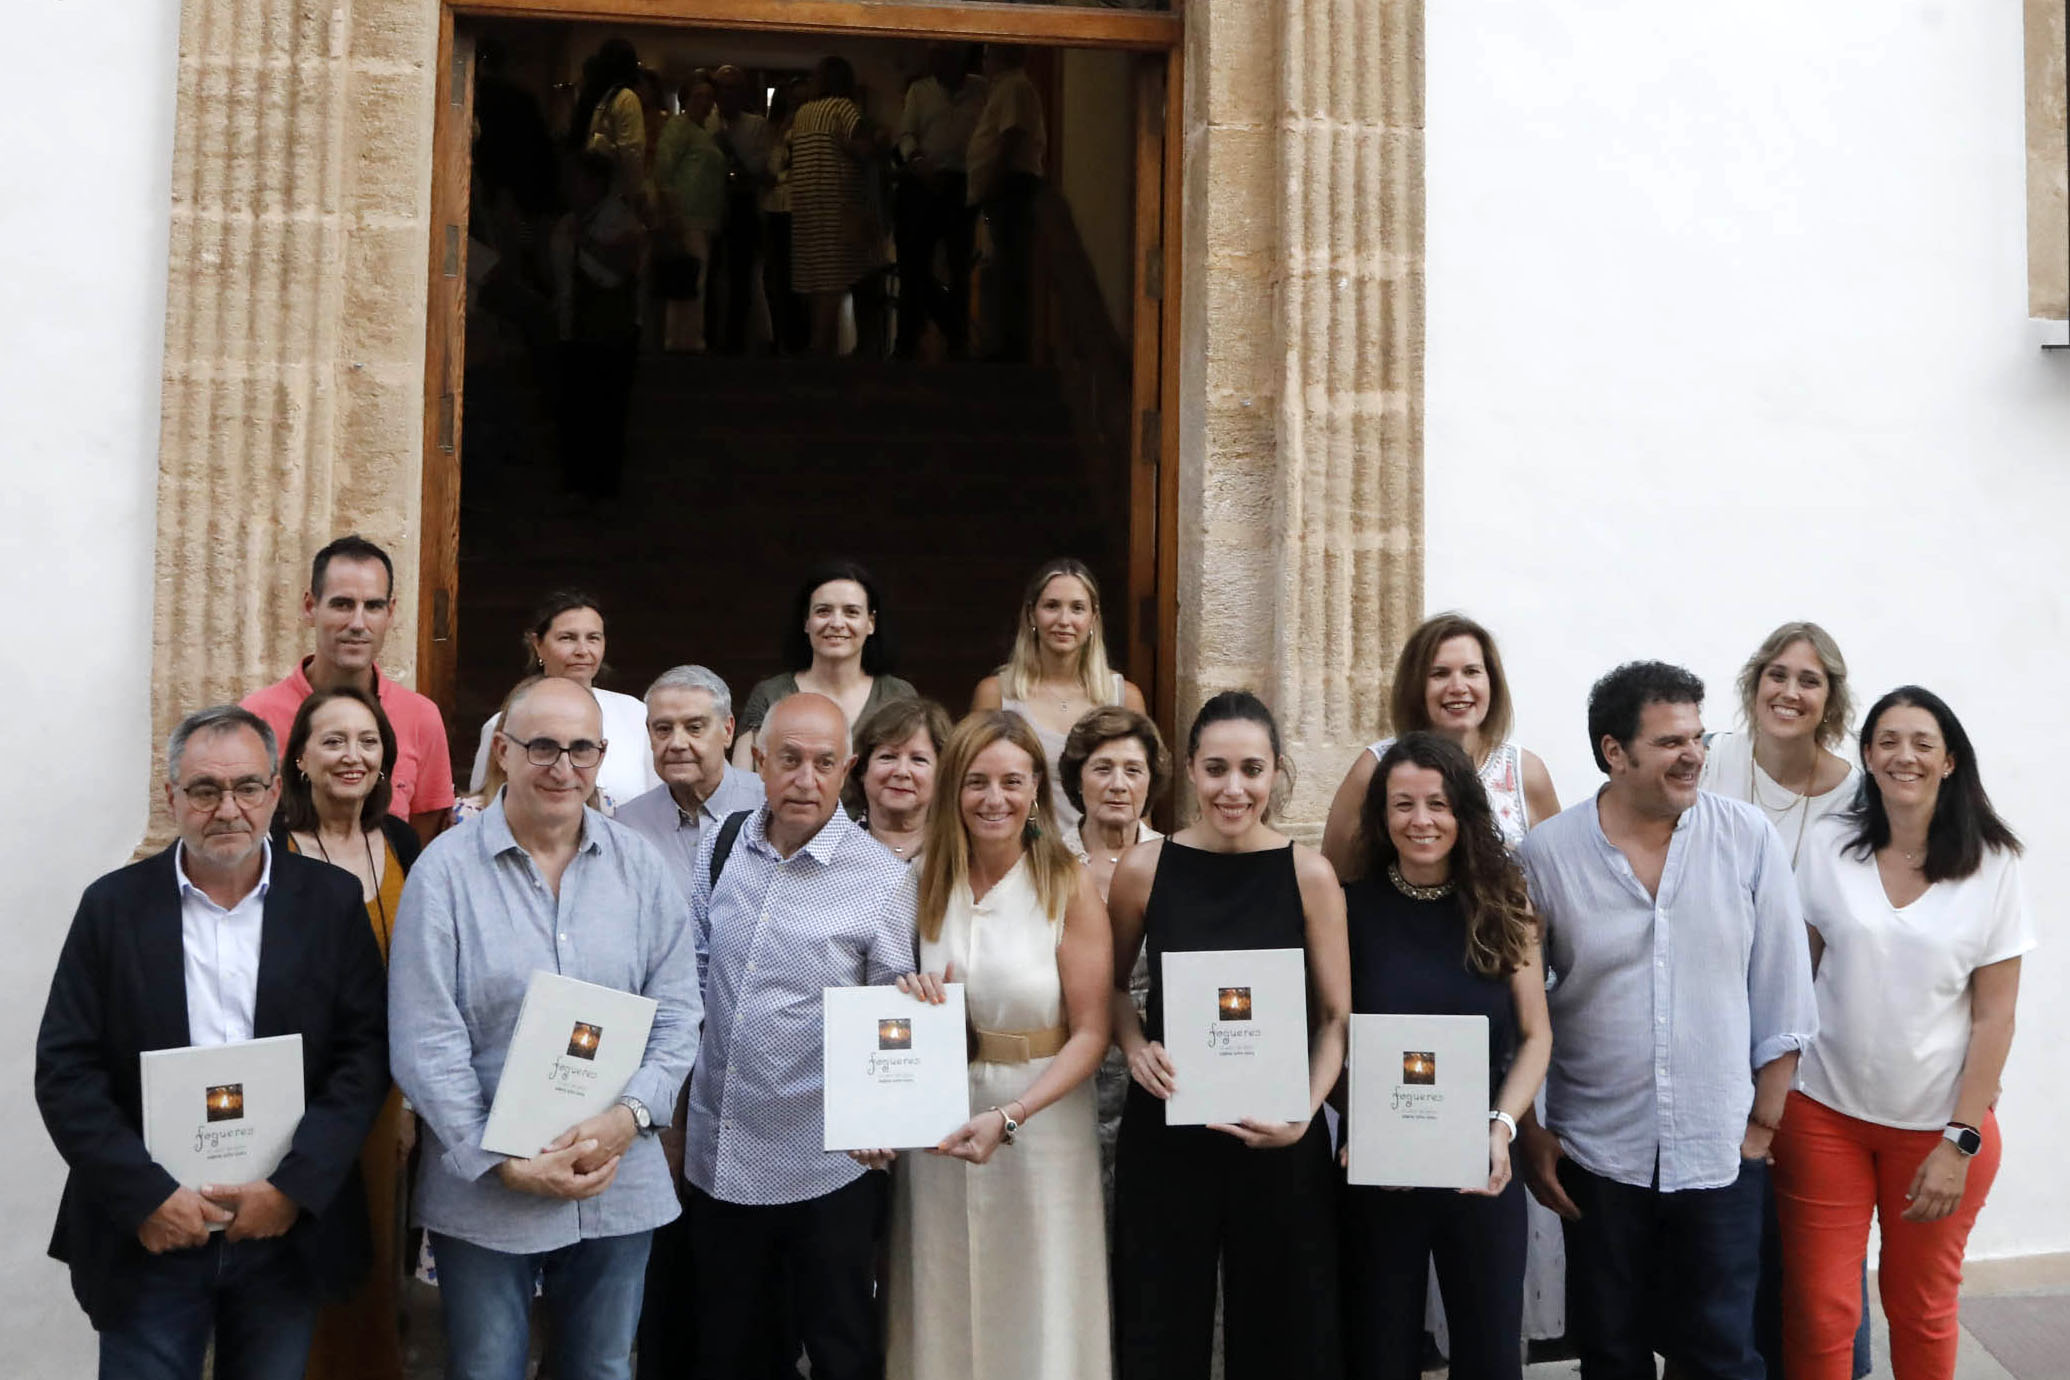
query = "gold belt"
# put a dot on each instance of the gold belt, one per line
(1015, 1046)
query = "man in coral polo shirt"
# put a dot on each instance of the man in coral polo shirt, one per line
(350, 603)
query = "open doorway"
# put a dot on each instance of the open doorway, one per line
(747, 462)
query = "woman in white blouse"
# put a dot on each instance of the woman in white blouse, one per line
(1794, 700)
(566, 639)
(1917, 927)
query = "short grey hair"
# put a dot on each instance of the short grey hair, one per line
(220, 718)
(695, 678)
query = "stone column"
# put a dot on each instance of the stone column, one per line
(294, 328)
(1303, 367)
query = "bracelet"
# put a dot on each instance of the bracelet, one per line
(1012, 1126)
(1506, 1119)
(1771, 1127)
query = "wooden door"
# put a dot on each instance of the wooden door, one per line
(1153, 475)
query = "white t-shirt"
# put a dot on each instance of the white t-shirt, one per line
(1729, 769)
(627, 770)
(1894, 985)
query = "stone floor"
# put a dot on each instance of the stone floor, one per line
(2032, 1338)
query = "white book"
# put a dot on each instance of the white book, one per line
(1419, 1101)
(575, 1047)
(222, 1114)
(1236, 1030)
(897, 1069)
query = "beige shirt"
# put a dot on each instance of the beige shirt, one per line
(1013, 103)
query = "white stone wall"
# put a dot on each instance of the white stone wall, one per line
(88, 112)
(1727, 326)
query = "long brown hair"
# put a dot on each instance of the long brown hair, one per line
(945, 863)
(1409, 703)
(1492, 897)
(298, 793)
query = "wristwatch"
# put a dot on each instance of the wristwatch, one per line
(641, 1118)
(1967, 1139)
(1012, 1126)
(1506, 1119)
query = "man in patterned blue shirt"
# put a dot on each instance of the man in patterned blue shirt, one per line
(783, 1232)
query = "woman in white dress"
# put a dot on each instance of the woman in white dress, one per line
(566, 639)
(998, 1247)
(1449, 680)
(1058, 669)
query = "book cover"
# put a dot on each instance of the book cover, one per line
(1419, 1101)
(897, 1069)
(1236, 1030)
(575, 1047)
(222, 1114)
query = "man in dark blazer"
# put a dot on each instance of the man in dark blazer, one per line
(217, 939)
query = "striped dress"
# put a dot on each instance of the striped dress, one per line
(834, 240)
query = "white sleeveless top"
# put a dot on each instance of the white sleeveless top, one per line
(1729, 769)
(1053, 748)
(1502, 776)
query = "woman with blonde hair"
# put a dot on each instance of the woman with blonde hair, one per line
(1058, 669)
(1449, 680)
(998, 1251)
(1794, 701)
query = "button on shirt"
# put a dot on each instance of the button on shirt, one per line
(476, 920)
(675, 832)
(221, 952)
(1664, 1007)
(839, 912)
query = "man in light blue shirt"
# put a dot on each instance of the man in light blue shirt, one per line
(537, 881)
(781, 1229)
(1681, 1002)
(690, 731)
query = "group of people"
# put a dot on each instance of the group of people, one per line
(1742, 1000)
(702, 210)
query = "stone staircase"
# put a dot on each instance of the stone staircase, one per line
(951, 481)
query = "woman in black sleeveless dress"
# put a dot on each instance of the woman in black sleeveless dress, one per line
(1440, 924)
(1256, 1200)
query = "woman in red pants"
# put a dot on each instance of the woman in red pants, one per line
(1918, 924)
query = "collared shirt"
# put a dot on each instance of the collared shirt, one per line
(938, 122)
(221, 950)
(676, 832)
(1665, 1006)
(476, 920)
(839, 912)
(422, 781)
(1013, 103)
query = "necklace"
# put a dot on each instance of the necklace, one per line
(1799, 803)
(373, 871)
(1418, 893)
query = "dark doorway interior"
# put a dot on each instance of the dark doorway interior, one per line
(951, 479)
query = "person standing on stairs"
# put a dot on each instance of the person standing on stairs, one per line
(1058, 671)
(1005, 179)
(942, 110)
(836, 645)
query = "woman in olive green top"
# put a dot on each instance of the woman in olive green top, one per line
(836, 646)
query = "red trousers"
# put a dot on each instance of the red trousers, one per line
(1831, 1173)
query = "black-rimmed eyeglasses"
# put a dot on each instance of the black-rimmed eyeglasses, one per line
(208, 795)
(544, 752)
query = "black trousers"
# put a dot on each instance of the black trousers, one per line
(821, 1252)
(788, 324)
(1010, 219)
(1391, 1236)
(1675, 1273)
(932, 213)
(1187, 1200)
(732, 297)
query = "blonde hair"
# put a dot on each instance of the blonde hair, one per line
(1024, 664)
(945, 860)
(1832, 725)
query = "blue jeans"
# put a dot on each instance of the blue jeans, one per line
(1672, 1272)
(592, 1291)
(256, 1297)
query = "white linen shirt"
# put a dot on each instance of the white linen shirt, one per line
(937, 124)
(221, 955)
(1667, 1004)
(1894, 984)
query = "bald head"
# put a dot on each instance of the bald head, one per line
(803, 756)
(558, 698)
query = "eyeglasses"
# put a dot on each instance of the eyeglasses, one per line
(544, 752)
(208, 795)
